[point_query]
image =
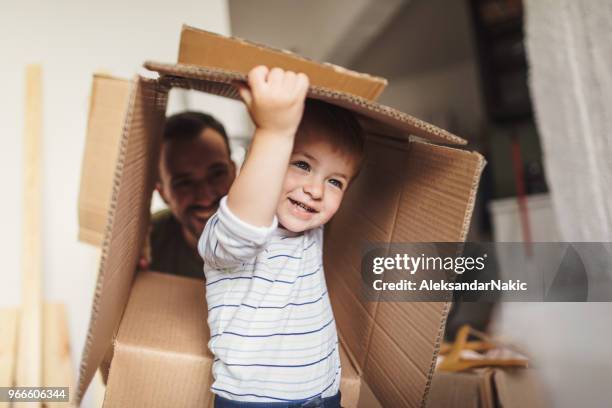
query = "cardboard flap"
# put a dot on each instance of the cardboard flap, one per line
(127, 222)
(427, 196)
(161, 344)
(376, 118)
(203, 48)
(107, 106)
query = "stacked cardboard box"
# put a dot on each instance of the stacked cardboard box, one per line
(409, 191)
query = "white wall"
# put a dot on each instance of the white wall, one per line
(72, 39)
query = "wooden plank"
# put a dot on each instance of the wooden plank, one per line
(57, 366)
(8, 340)
(29, 348)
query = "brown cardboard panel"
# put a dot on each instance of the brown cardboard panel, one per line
(367, 399)
(350, 383)
(427, 195)
(127, 223)
(436, 206)
(367, 215)
(391, 374)
(460, 390)
(489, 387)
(107, 107)
(344, 245)
(150, 378)
(439, 194)
(517, 388)
(352, 320)
(166, 313)
(375, 193)
(376, 118)
(161, 355)
(412, 326)
(161, 348)
(207, 49)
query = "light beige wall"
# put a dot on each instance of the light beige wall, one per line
(71, 39)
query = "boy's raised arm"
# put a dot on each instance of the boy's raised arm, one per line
(275, 100)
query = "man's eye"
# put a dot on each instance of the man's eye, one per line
(302, 165)
(336, 183)
(218, 173)
(182, 183)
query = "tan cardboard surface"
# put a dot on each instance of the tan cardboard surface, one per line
(489, 387)
(461, 390)
(127, 221)
(408, 191)
(107, 107)
(199, 47)
(161, 350)
(376, 118)
(428, 195)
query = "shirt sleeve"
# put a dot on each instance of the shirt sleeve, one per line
(227, 241)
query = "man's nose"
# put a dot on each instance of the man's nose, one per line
(204, 193)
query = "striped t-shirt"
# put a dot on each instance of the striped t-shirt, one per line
(273, 333)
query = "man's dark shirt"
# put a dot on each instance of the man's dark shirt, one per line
(169, 250)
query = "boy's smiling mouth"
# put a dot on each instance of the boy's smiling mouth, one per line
(303, 207)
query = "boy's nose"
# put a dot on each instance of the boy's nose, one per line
(314, 188)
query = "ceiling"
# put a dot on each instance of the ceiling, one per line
(390, 38)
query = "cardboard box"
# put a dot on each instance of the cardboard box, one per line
(163, 341)
(202, 48)
(487, 388)
(408, 190)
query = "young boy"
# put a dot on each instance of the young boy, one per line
(273, 333)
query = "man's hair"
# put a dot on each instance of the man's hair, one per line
(341, 124)
(190, 124)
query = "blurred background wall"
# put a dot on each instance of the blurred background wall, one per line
(72, 39)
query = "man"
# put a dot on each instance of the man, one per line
(195, 172)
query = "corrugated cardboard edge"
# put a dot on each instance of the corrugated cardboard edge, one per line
(82, 384)
(220, 82)
(88, 235)
(379, 81)
(464, 232)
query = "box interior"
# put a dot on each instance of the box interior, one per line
(408, 192)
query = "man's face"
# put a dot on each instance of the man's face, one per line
(319, 173)
(194, 175)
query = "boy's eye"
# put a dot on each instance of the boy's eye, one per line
(302, 165)
(336, 183)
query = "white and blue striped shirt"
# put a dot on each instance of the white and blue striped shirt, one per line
(273, 333)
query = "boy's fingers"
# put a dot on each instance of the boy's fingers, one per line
(257, 77)
(302, 83)
(276, 76)
(289, 80)
(245, 94)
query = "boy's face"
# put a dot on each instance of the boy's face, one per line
(318, 175)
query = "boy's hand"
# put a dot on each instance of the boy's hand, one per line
(275, 99)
